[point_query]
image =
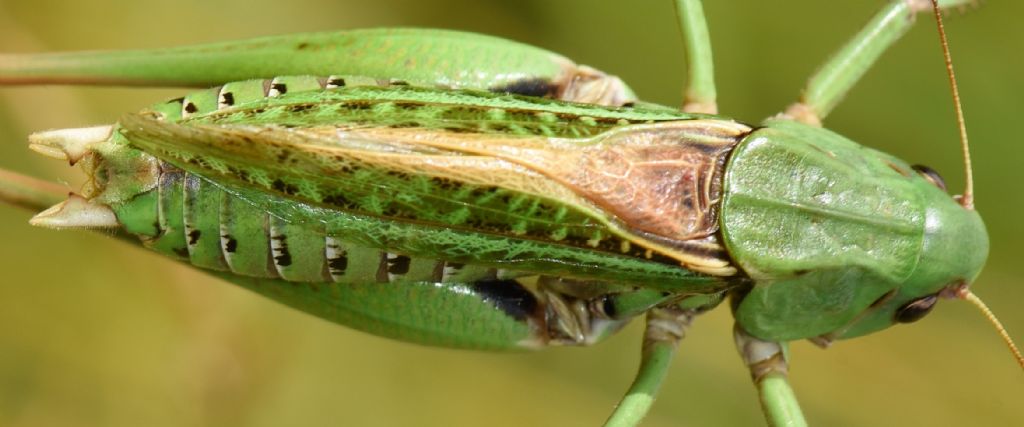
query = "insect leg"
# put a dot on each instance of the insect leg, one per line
(833, 80)
(489, 314)
(769, 370)
(420, 56)
(665, 328)
(699, 94)
(445, 304)
(29, 193)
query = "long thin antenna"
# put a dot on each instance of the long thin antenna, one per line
(965, 294)
(967, 199)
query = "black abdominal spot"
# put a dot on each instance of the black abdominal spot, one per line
(338, 265)
(231, 245)
(284, 259)
(399, 264)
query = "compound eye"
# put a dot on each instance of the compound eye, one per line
(931, 175)
(916, 309)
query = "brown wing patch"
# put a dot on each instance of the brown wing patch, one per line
(662, 179)
(655, 180)
(656, 186)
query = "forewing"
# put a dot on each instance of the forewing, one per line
(637, 189)
(359, 171)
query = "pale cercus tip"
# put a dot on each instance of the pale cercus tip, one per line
(68, 144)
(76, 212)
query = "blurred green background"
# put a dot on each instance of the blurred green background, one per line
(96, 333)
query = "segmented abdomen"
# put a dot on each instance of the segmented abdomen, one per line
(210, 227)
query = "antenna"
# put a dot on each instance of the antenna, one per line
(967, 199)
(965, 294)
